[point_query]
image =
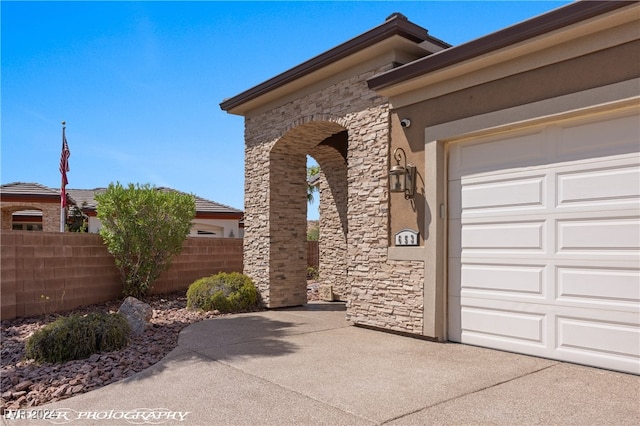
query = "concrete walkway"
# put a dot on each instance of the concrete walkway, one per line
(307, 366)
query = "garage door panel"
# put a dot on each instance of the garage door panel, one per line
(606, 337)
(601, 344)
(608, 288)
(607, 236)
(504, 236)
(491, 323)
(599, 138)
(478, 157)
(500, 280)
(504, 194)
(545, 249)
(599, 187)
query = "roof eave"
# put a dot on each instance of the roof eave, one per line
(13, 197)
(397, 25)
(537, 26)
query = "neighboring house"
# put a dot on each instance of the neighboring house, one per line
(212, 219)
(30, 207)
(526, 201)
(35, 207)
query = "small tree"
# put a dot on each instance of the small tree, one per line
(143, 228)
(313, 230)
(77, 221)
(312, 186)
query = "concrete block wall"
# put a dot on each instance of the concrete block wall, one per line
(200, 257)
(313, 254)
(74, 269)
(70, 269)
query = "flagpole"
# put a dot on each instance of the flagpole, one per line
(63, 193)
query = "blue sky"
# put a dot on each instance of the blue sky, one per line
(139, 83)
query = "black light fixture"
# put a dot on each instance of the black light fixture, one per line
(402, 178)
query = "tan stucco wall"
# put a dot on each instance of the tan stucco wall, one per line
(408, 213)
(599, 77)
(597, 69)
(571, 76)
(223, 228)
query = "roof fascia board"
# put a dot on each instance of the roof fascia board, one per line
(395, 26)
(525, 31)
(392, 50)
(34, 198)
(219, 215)
(511, 61)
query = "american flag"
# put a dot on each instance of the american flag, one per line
(64, 168)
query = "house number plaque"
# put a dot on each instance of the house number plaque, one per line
(407, 237)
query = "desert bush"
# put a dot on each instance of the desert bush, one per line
(143, 228)
(77, 337)
(312, 273)
(224, 292)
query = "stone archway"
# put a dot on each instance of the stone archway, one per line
(299, 112)
(331, 156)
(287, 214)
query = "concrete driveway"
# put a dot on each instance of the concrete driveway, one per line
(307, 366)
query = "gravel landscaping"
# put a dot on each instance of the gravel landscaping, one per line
(27, 384)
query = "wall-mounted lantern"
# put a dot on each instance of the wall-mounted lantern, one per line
(402, 178)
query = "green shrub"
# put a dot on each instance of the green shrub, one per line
(312, 273)
(77, 337)
(225, 292)
(143, 227)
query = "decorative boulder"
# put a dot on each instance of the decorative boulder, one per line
(137, 313)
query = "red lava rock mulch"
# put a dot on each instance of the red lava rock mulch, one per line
(24, 383)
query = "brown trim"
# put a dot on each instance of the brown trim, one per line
(26, 219)
(34, 198)
(395, 25)
(551, 21)
(211, 215)
(199, 215)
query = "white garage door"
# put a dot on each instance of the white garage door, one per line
(544, 242)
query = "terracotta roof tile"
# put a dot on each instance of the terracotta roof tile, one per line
(23, 188)
(203, 205)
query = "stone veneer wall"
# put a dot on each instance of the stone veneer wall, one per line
(380, 293)
(333, 266)
(50, 214)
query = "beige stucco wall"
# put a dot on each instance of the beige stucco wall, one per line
(596, 78)
(223, 228)
(601, 68)
(551, 81)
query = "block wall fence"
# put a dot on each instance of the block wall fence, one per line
(313, 254)
(74, 269)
